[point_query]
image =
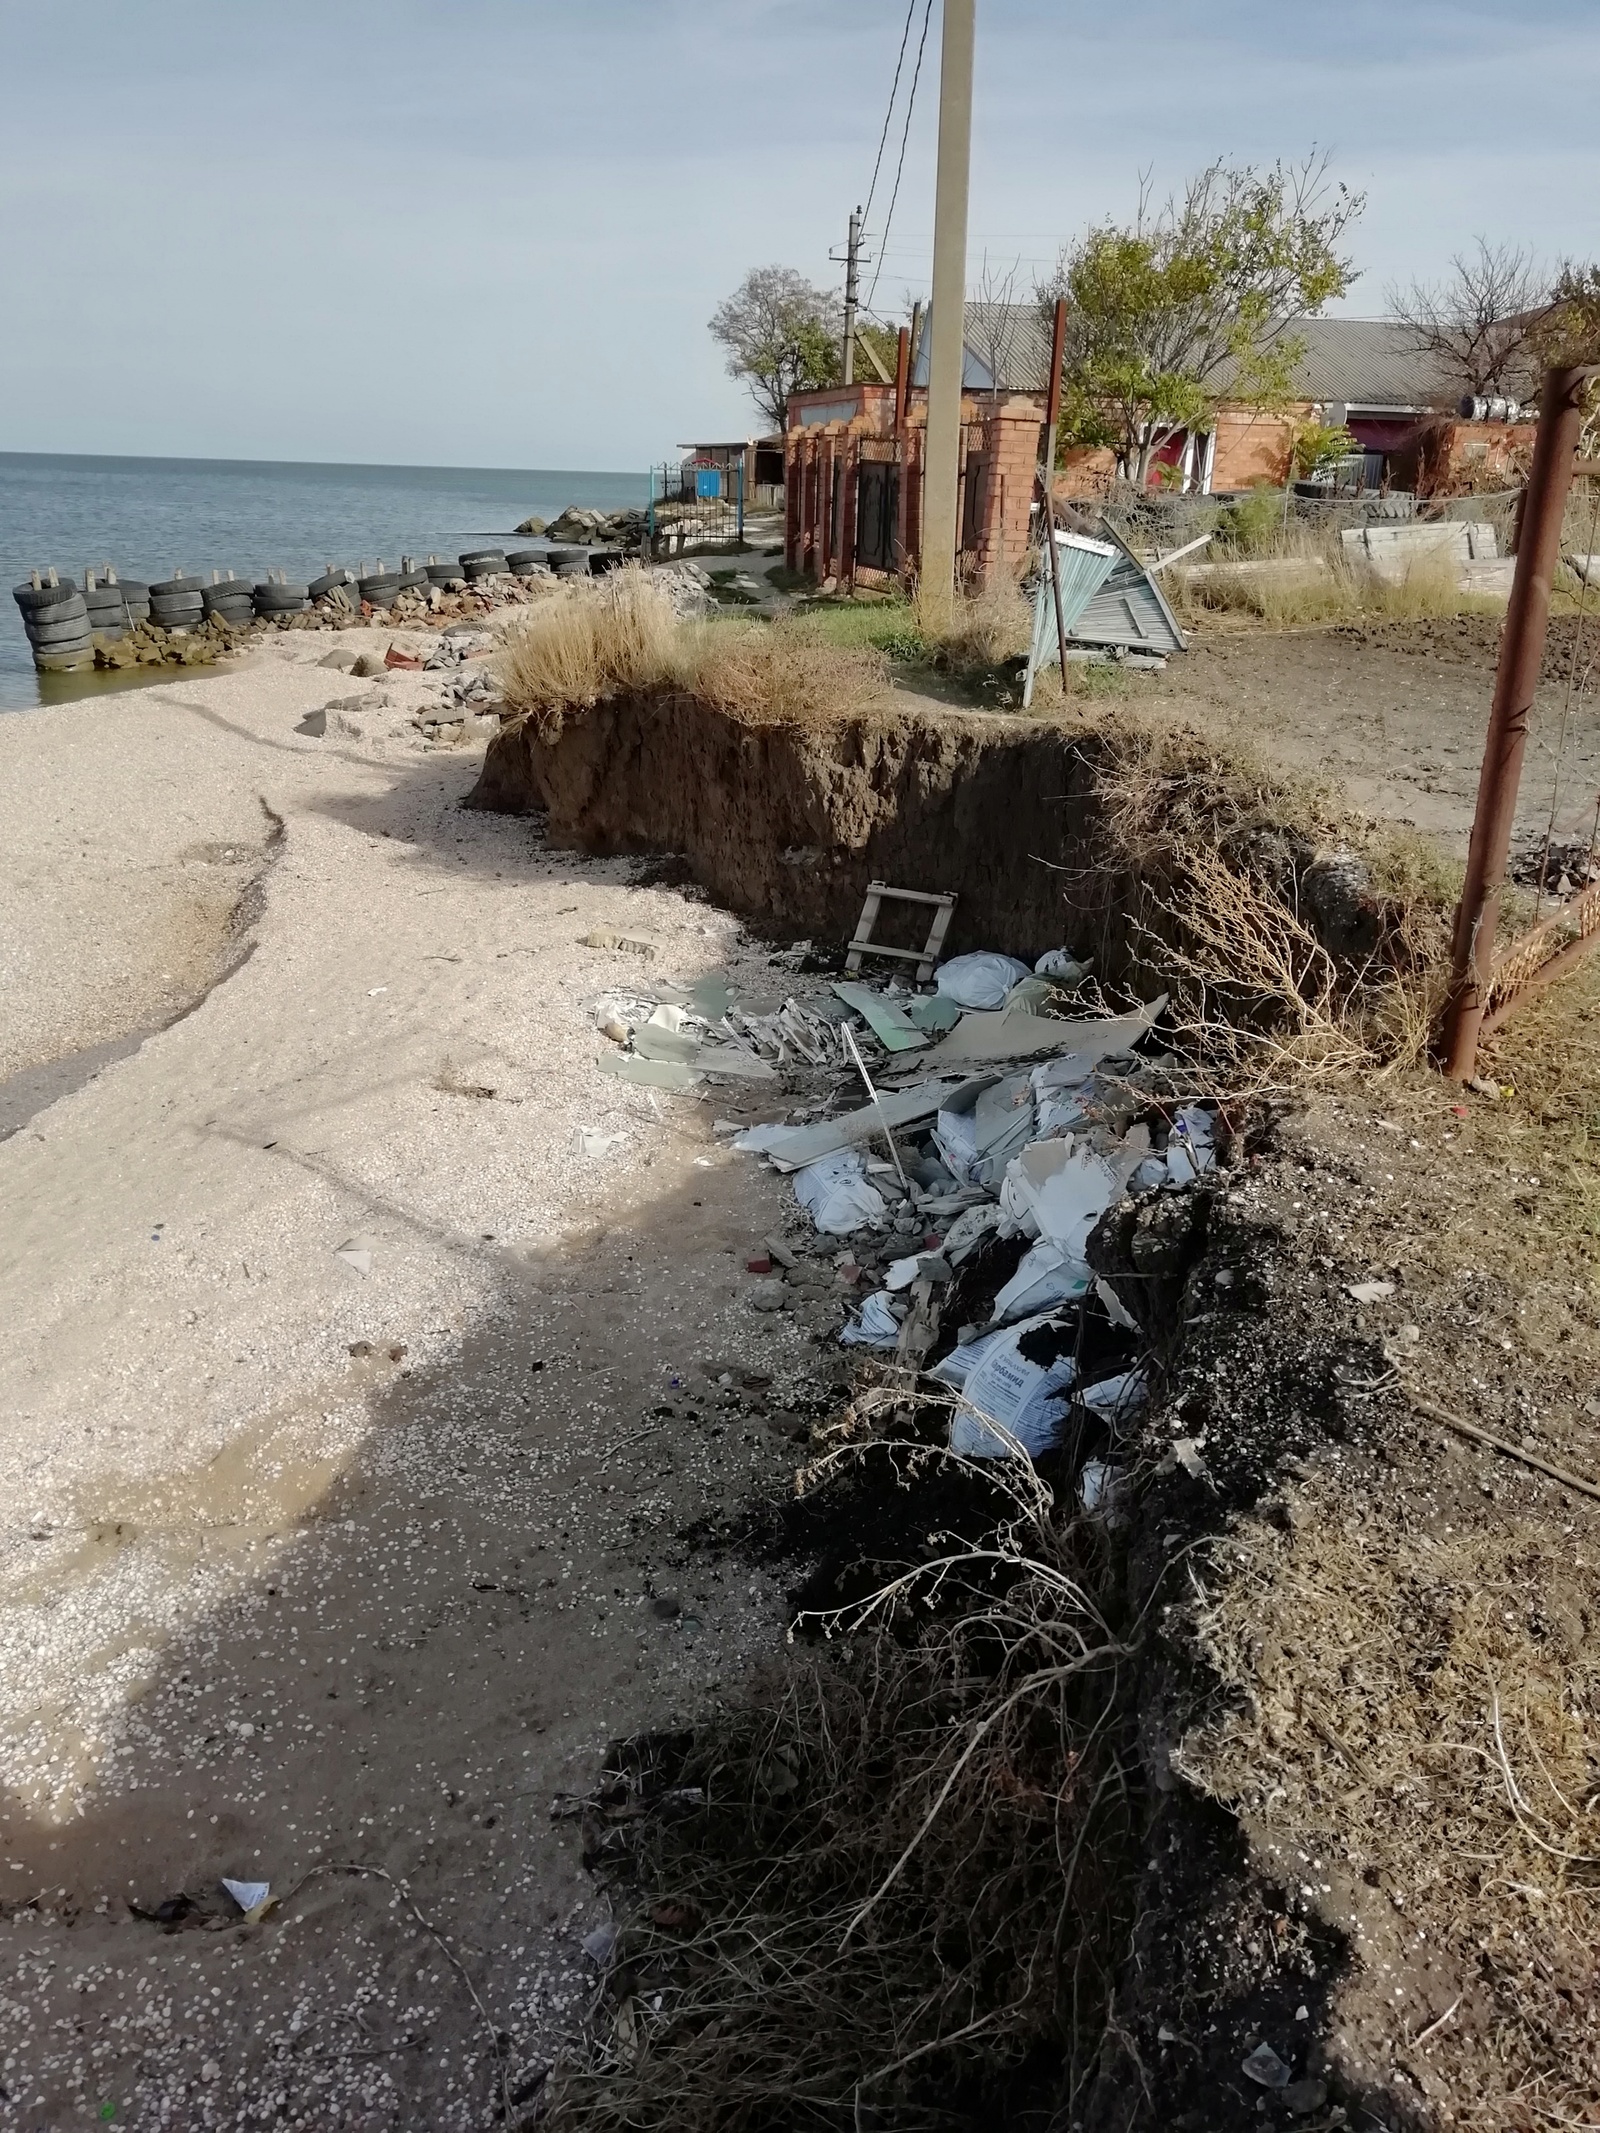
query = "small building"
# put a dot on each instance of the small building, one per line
(761, 459)
(853, 453)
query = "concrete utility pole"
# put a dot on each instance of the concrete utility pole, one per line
(852, 295)
(946, 348)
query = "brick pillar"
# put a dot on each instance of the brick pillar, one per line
(1011, 448)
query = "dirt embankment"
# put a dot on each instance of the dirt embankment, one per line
(1038, 828)
(791, 822)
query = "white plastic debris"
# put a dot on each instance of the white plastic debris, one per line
(1007, 1387)
(980, 980)
(1116, 1398)
(1191, 1152)
(1097, 1485)
(968, 1230)
(877, 1326)
(599, 1944)
(835, 1194)
(1045, 1277)
(356, 1252)
(1059, 1192)
(1265, 2068)
(593, 1142)
(1062, 965)
(955, 1368)
(248, 1895)
(1370, 1292)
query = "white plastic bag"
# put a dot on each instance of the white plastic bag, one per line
(1045, 1277)
(1007, 1387)
(1190, 1153)
(980, 980)
(956, 1367)
(877, 1327)
(834, 1192)
(1062, 965)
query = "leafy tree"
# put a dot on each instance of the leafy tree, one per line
(1568, 331)
(782, 334)
(1196, 301)
(1318, 445)
(1483, 320)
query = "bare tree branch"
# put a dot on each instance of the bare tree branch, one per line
(1482, 321)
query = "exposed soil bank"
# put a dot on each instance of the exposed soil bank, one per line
(790, 823)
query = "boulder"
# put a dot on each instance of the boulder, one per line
(532, 525)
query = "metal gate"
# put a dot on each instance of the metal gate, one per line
(877, 511)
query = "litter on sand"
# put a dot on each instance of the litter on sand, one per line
(250, 1896)
(592, 1141)
(356, 1252)
(1021, 1382)
(1370, 1292)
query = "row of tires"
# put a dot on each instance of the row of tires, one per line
(62, 619)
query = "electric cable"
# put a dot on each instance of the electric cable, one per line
(905, 135)
(894, 91)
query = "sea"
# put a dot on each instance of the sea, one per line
(150, 518)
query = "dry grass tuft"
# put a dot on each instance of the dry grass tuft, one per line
(1228, 872)
(985, 627)
(619, 636)
(585, 642)
(879, 1887)
(1300, 579)
(1422, 1716)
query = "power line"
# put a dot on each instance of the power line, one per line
(889, 114)
(905, 135)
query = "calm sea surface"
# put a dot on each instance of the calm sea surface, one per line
(151, 517)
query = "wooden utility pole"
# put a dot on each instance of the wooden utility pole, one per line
(852, 295)
(946, 328)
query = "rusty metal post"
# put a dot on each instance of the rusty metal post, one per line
(1058, 350)
(902, 402)
(1516, 678)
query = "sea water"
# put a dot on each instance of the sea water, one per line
(150, 518)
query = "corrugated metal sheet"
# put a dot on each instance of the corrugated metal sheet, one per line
(1129, 611)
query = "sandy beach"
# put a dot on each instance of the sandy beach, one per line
(352, 1411)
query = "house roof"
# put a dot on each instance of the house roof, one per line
(1359, 362)
(1366, 362)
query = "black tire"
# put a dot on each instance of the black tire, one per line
(176, 614)
(382, 585)
(111, 631)
(105, 603)
(60, 641)
(173, 588)
(58, 661)
(603, 559)
(31, 598)
(568, 562)
(444, 574)
(521, 559)
(478, 555)
(319, 588)
(414, 580)
(475, 573)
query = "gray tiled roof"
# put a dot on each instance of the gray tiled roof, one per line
(1362, 362)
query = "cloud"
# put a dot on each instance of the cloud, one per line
(491, 233)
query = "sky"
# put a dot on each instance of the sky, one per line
(491, 232)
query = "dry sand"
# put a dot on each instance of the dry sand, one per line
(307, 1566)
